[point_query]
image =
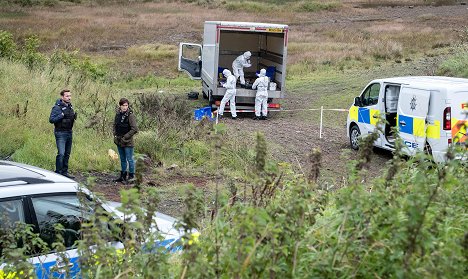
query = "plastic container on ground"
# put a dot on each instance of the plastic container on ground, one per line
(201, 113)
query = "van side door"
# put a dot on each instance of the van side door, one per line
(413, 106)
(369, 112)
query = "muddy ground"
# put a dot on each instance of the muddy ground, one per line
(293, 133)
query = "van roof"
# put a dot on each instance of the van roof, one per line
(438, 81)
(247, 24)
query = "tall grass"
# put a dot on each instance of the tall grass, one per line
(456, 66)
(28, 137)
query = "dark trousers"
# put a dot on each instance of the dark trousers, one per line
(63, 140)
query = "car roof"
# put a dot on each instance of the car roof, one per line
(18, 179)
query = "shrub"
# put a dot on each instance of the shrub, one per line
(7, 45)
(456, 66)
(171, 134)
(30, 54)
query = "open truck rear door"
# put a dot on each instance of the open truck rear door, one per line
(413, 106)
(190, 59)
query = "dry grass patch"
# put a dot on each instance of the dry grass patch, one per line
(152, 51)
(396, 3)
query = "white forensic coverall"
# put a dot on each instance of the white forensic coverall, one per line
(261, 98)
(238, 65)
(230, 95)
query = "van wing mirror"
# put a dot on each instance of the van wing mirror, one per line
(357, 102)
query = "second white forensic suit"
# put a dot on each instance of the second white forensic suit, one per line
(230, 95)
(238, 65)
(261, 98)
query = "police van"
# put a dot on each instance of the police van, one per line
(430, 113)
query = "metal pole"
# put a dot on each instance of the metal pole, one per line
(321, 117)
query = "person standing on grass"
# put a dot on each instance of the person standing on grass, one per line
(63, 117)
(125, 127)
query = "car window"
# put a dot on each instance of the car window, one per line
(11, 211)
(370, 96)
(66, 210)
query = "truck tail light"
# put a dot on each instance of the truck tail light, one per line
(449, 142)
(447, 118)
(277, 106)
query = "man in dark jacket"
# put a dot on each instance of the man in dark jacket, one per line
(63, 117)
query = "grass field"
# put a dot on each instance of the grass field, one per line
(335, 48)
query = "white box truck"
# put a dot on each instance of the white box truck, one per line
(223, 41)
(430, 114)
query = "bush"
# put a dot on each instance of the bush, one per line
(411, 222)
(456, 66)
(30, 54)
(171, 133)
(7, 45)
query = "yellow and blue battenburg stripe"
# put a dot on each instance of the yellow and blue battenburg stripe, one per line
(364, 115)
(414, 126)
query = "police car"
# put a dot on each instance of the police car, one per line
(430, 114)
(42, 199)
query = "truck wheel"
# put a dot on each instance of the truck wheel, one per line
(354, 135)
(205, 96)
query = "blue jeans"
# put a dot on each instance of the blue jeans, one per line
(126, 155)
(63, 140)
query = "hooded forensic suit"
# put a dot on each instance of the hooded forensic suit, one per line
(230, 95)
(261, 98)
(238, 65)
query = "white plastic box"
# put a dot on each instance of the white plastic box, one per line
(272, 86)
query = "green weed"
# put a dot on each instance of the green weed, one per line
(315, 6)
(456, 66)
(7, 45)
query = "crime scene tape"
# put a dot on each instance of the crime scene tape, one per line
(288, 110)
(321, 109)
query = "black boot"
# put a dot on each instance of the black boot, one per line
(131, 177)
(123, 177)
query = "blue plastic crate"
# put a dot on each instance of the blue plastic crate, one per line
(201, 113)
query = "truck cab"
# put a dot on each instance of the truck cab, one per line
(223, 41)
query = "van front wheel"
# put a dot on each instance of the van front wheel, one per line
(354, 135)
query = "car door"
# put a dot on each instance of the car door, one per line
(413, 106)
(13, 210)
(48, 211)
(369, 109)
